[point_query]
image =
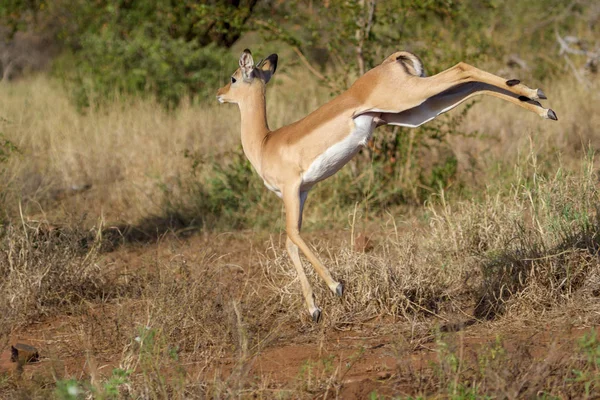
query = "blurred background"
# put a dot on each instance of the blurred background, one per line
(107, 107)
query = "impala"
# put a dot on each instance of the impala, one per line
(292, 159)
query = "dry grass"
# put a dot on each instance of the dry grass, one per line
(122, 152)
(126, 157)
(188, 326)
(193, 324)
(520, 252)
(47, 273)
(506, 133)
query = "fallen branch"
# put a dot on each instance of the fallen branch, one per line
(593, 57)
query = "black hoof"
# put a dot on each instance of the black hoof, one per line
(316, 316)
(513, 82)
(552, 115)
(339, 290)
(541, 95)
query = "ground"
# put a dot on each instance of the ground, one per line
(378, 356)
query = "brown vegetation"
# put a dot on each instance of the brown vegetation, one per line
(484, 290)
(141, 257)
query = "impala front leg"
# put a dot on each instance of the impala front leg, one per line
(294, 202)
(292, 250)
(307, 291)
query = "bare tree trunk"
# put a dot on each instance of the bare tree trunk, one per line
(365, 23)
(362, 33)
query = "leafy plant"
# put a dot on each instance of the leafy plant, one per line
(7, 148)
(147, 62)
(222, 192)
(589, 375)
(69, 389)
(162, 48)
(72, 389)
(111, 385)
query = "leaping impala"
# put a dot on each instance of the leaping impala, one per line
(292, 159)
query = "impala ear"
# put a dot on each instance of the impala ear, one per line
(246, 65)
(268, 66)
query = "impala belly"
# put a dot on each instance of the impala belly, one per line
(336, 156)
(273, 189)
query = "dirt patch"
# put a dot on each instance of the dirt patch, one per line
(251, 350)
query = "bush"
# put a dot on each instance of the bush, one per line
(166, 49)
(146, 63)
(162, 48)
(222, 192)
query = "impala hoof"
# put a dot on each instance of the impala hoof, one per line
(339, 290)
(552, 115)
(316, 316)
(541, 94)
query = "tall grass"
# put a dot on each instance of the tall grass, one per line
(194, 326)
(513, 252)
(132, 159)
(121, 152)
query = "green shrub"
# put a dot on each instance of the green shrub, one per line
(222, 192)
(162, 48)
(147, 62)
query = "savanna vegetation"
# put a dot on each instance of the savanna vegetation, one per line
(143, 258)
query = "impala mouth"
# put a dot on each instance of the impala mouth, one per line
(220, 99)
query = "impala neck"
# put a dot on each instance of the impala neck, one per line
(254, 124)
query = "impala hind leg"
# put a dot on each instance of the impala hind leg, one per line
(448, 99)
(463, 73)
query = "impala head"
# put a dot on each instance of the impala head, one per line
(247, 78)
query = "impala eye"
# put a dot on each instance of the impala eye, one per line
(233, 79)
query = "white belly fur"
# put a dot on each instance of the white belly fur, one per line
(336, 156)
(274, 189)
